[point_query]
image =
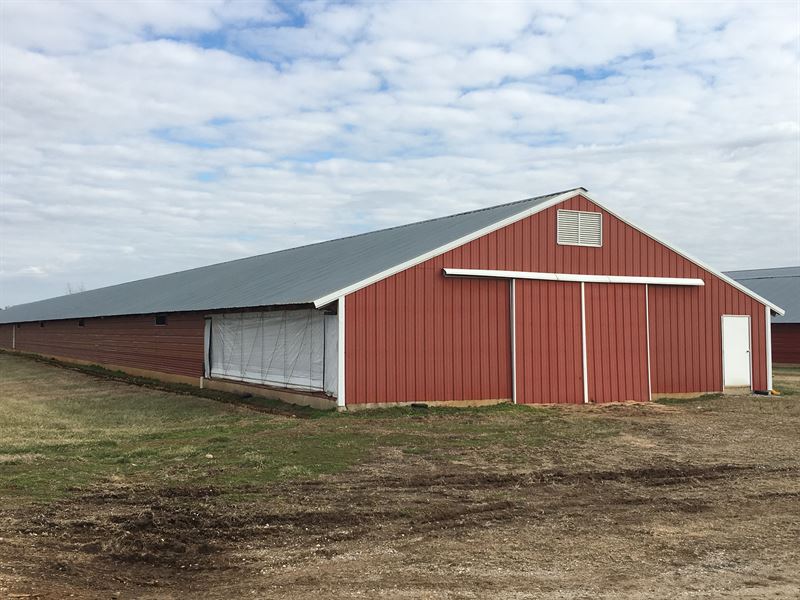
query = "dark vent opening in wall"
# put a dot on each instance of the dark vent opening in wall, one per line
(41, 323)
(161, 319)
(81, 323)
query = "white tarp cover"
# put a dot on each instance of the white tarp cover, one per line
(284, 348)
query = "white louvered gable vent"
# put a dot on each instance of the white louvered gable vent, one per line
(578, 228)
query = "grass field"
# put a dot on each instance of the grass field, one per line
(110, 489)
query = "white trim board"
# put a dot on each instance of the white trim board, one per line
(448, 272)
(584, 353)
(518, 217)
(340, 315)
(446, 247)
(647, 325)
(768, 341)
(513, 294)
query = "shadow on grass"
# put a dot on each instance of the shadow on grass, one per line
(260, 403)
(278, 407)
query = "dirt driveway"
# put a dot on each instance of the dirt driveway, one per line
(692, 499)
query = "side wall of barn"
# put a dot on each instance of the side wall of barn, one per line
(6, 336)
(134, 342)
(786, 343)
(419, 336)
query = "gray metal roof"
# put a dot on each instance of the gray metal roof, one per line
(781, 285)
(295, 276)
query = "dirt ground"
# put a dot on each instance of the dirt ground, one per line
(692, 499)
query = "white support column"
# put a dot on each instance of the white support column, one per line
(583, 345)
(13, 336)
(647, 324)
(340, 398)
(513, 294)
(768, 341)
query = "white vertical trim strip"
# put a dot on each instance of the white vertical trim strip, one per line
(722, 337)
(768, 341)
(513, 293)
(647, 324)
(750, 349)
(206, 348)
(13, 336)
(340, 397)
(583, 345)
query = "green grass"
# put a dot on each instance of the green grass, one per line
(256, 401)
(697, 400)
(787, 380)
(62, 430)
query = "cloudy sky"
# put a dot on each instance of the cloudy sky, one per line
(140, 138)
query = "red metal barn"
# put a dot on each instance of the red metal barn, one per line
(552, 299)
(782, 284)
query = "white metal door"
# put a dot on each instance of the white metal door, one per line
(736, 350)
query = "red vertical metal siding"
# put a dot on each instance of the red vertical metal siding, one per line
(439, 339)
(6, 333)
(686, 336)
(616, 342)
(786, 343)
(133, 341)
(466, 321)
(549, 363)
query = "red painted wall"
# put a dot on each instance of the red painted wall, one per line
(786, 343)
(686, 335)
(549, 359)
(6, 339)
(420, 336)
(616, 342)
(133, 341)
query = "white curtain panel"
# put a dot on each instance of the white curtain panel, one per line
(283, 348)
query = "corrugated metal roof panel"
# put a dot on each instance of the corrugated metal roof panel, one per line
(781, 285)
(295, 276)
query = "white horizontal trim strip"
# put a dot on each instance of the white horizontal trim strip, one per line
(571, 277)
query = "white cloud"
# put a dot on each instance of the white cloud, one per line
(145, 137)
(74, 27)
